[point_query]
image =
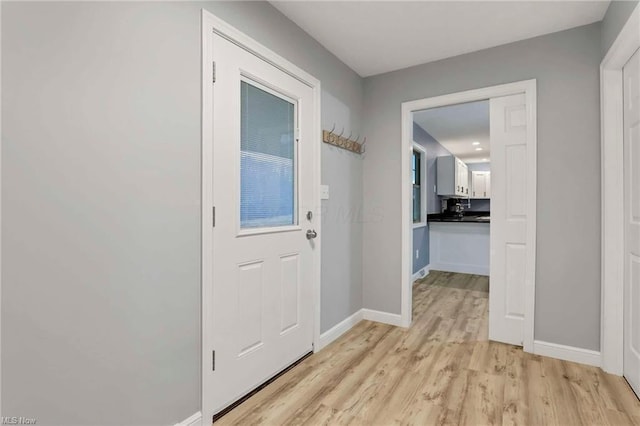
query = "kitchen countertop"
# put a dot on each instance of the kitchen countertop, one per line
(467, 217)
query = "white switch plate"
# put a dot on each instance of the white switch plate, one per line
(324, 192)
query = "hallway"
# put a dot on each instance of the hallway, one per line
(443, 370)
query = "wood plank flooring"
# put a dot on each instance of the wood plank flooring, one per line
(441, 371)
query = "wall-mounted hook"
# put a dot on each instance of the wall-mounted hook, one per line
(330, 135)
(338, 140)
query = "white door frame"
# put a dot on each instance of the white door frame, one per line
(212, 24)
(612, 172)
(528, 87)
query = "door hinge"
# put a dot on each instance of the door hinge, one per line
(213, 211)
(214, 72)
(213, 360)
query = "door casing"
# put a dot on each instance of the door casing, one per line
(612, 183)
(211, 24)
(528, 87)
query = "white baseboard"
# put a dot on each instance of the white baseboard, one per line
(421, 273)
(462, 269)
(567, 353)
(339, 329)
(193, 420)
(383, 317)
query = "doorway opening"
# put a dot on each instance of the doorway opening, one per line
(453, 239)
(505, 186)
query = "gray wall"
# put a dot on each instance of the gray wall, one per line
(434, 150)
(101, 203)
(421, 247)
(421, 235)
(565, 65)
(342, 218)
(617, 15)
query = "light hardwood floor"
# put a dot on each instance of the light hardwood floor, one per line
(441, 371)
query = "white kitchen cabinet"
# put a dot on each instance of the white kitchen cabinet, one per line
(480, 184)
(453, 177)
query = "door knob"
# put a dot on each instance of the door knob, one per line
(311, 234)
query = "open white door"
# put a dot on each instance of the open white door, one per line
(263, 246)
(631, 75)
(509, 250)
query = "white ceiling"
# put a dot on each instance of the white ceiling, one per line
(373, 37)
(456, 127)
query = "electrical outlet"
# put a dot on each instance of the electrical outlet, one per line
(418, 254)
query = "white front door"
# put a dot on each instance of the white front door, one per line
(631, 119)
(262, 190)
(509, 251)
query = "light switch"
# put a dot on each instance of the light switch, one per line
(324, 192)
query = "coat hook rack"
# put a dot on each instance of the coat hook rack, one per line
(343, 142)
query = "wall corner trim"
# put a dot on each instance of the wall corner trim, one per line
(193, 420)
(422, 273)
(339, 329)
(567, 353)
(383, 317)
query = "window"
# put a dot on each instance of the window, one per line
(416, 169)
(267, 159)
(418, 178)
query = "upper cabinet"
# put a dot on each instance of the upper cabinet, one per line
(453, 177)
(480, 184)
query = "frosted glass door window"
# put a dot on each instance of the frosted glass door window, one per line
(268, 163)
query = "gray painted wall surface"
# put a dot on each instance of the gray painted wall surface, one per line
(421, 244)
(421, 235)
(617, 15)
(101, 203)
(341, 222)
(434, 150)
(565, 65)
